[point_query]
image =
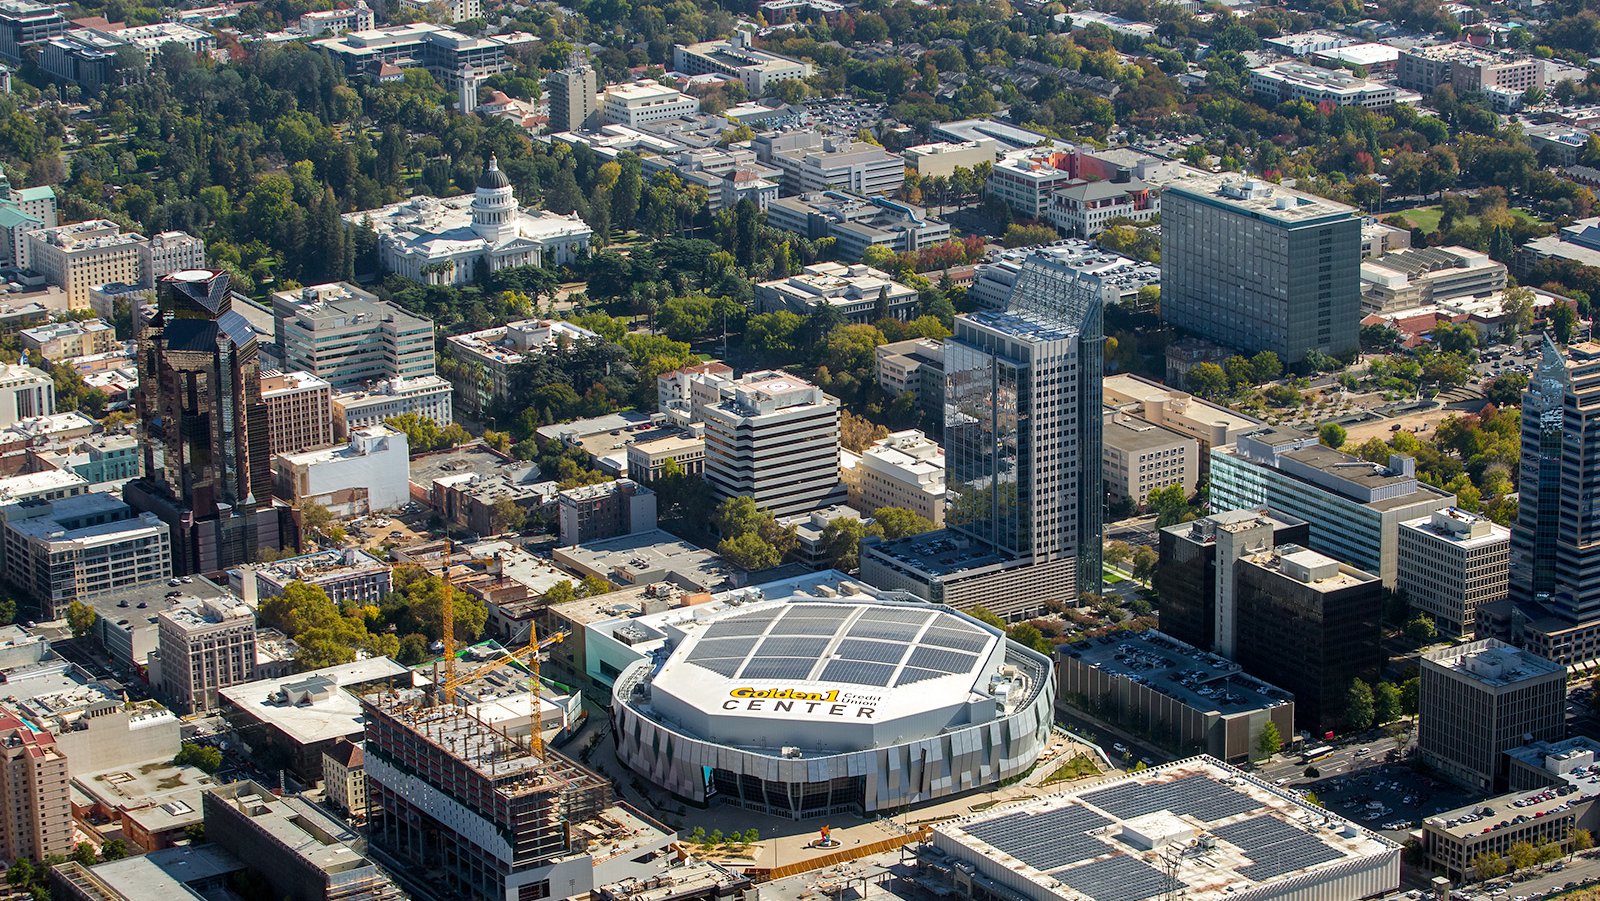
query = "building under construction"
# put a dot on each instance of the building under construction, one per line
(477, 813)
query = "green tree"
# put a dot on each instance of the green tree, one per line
(1410, 689)
(80, 618)
(1421, 629)
(1029, 636)
(686, 318)
(749, 551)
(204, 757)
(594, 586)
(841, 542)
(1523, 855)
(1145, 560)
(1332, 434)
(1312, 799)
(898, 522)
(1270, 741)
(1170, 505)
(1488, 866)
(1207, 380)
(1563, 322)
(1265, 366)
(560, 593)
(1385, 702)
(1117, 553)
(985, 615)
(114, 849)
(83, 854)
(1582, 840)
(1358, 706)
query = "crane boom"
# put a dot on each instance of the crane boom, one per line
(447, 625)
(528, 654)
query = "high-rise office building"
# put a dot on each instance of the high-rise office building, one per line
(1023, 419)
(1555, 541)
(774, 438)
(1257, 266)
(1195, 575)
(1308, 624)
(208, 466)
(1452, 563)
(35, 813)
(574, 96)
(25, 392)
(299, 411)
(1481, 699)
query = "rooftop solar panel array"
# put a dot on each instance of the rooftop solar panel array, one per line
(1275, 847)
(1045, 841)
(1118, 878)
(1196, 796)
(831, 642)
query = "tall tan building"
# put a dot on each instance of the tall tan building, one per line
(299, 411)
(1481, 699)
(1452, 563)
(86, 255)
(35, 815)
(904, 470)
(204, 646)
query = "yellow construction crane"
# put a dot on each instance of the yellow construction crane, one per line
(447, 625)
(528, 654)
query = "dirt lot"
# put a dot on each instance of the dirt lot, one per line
(1424, 422)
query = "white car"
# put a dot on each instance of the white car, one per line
(1120, 748)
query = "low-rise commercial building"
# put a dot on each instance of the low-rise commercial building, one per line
(429, 397)
(812, 161)
(648, 459)
(1450, 564)
(1183, 698)
(1283, 82)
(366, 475)
(1417, 277)
(1212, 425)
(858, 292)
(1467, 68)
(1481, 699)
(759, 70)
(644, 101)
(857, 223)
(942, 158)
(60, 341)
(346, 575)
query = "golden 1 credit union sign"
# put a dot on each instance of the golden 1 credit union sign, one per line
(789, 700)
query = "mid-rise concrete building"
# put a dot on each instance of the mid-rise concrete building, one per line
(35, 811)
(644, 101)
(1307, 623)
(856, 223)
(1450, 564)
(447, 54)
(648, 458)
(683, 394)
(299, 407)
(23, 210)
(859, 293)
(1469, 69)
(1481, 699)
(170, 252)
(606, 510)
(487, 359)
(204, 646)
(349, 337)
(359, 17)
(85, 255)
(1140, 457)
(1283, 82)
(759, 70)
(1083, 209)
(1354, 507)
(775, 438)
(942, 158)
(24, 23)
(915, 365)
(573, 93)
(428, 397)
(1212, 425)
(1026, 180)
(905, 470)
(81, 547)
(812, 161)
(368, 474)
(58, 341)
(1257, 266)
(1417, 277)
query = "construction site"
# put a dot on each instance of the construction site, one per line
(472, 811)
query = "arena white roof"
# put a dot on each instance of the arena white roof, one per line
(830, 673)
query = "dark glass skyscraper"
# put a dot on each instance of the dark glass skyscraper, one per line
(207, 455)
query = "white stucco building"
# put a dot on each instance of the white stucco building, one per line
(372, 472)
(446, 241)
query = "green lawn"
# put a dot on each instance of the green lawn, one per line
(1427, 217)
(1111, 576)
